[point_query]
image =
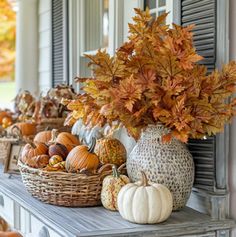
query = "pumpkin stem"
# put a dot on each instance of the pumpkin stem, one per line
(92, 145)
(115, 172)
(144, 179)
(54, 134)
(32, 144)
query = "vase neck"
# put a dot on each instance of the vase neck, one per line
(154, 131)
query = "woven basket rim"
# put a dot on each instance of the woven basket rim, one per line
(39, 171)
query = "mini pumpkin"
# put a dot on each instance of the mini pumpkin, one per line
(145, 203)
(25, 128)
(43, 137)
(30, 150)
(60, 165)
(82, 158)
(6, 122)
(3, 114)
(39, 161)
(110, 188)
(68, 140)
(110, 151)
(55, 159)
(57, 149)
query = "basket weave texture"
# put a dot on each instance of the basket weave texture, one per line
(62, 188)
(5, 145)
(53, 123)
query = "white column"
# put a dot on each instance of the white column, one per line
(27, 46)
(232, 151)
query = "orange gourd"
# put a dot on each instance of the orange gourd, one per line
(68, 140)
(31, 150)
(39, 161)
(2, 115)
(82, 158)
(6, 121)
(25, 128)
(43, 137)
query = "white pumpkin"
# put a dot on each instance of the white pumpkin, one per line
(86, 134)
(77, 127)
(145, 203)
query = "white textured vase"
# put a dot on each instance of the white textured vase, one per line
(170, 163)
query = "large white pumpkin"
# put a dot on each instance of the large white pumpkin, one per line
(145, 203)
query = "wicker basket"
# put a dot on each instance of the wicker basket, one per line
(53, 123)
(5, 146)
(62, 188)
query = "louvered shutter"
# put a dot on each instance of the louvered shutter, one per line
(210, 40)
(59, 42)
(203, 14)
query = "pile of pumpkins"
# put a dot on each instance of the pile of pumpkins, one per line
(63, 151)
(141, 202)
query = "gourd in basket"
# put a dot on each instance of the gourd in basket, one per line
(110, 151)
(35, 155)
(43, 137)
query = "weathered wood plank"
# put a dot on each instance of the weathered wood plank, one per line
(97, 221)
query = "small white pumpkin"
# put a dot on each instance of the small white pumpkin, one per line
(145, 203)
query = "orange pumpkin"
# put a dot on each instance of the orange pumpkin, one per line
(39, 161)
(30, 150)
(82, 158)
(68, 140)
(43, 137)
(2, 115)
(26, 129)
(6, 122)
(110, 150)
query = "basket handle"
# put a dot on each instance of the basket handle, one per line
(110, 165)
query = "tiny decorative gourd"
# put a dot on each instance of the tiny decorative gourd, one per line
(110, 188)
(82, 158)
(145, 203)
(55, 160)
(110, 151)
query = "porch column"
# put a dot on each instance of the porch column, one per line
(232, 151)
(27, 46)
